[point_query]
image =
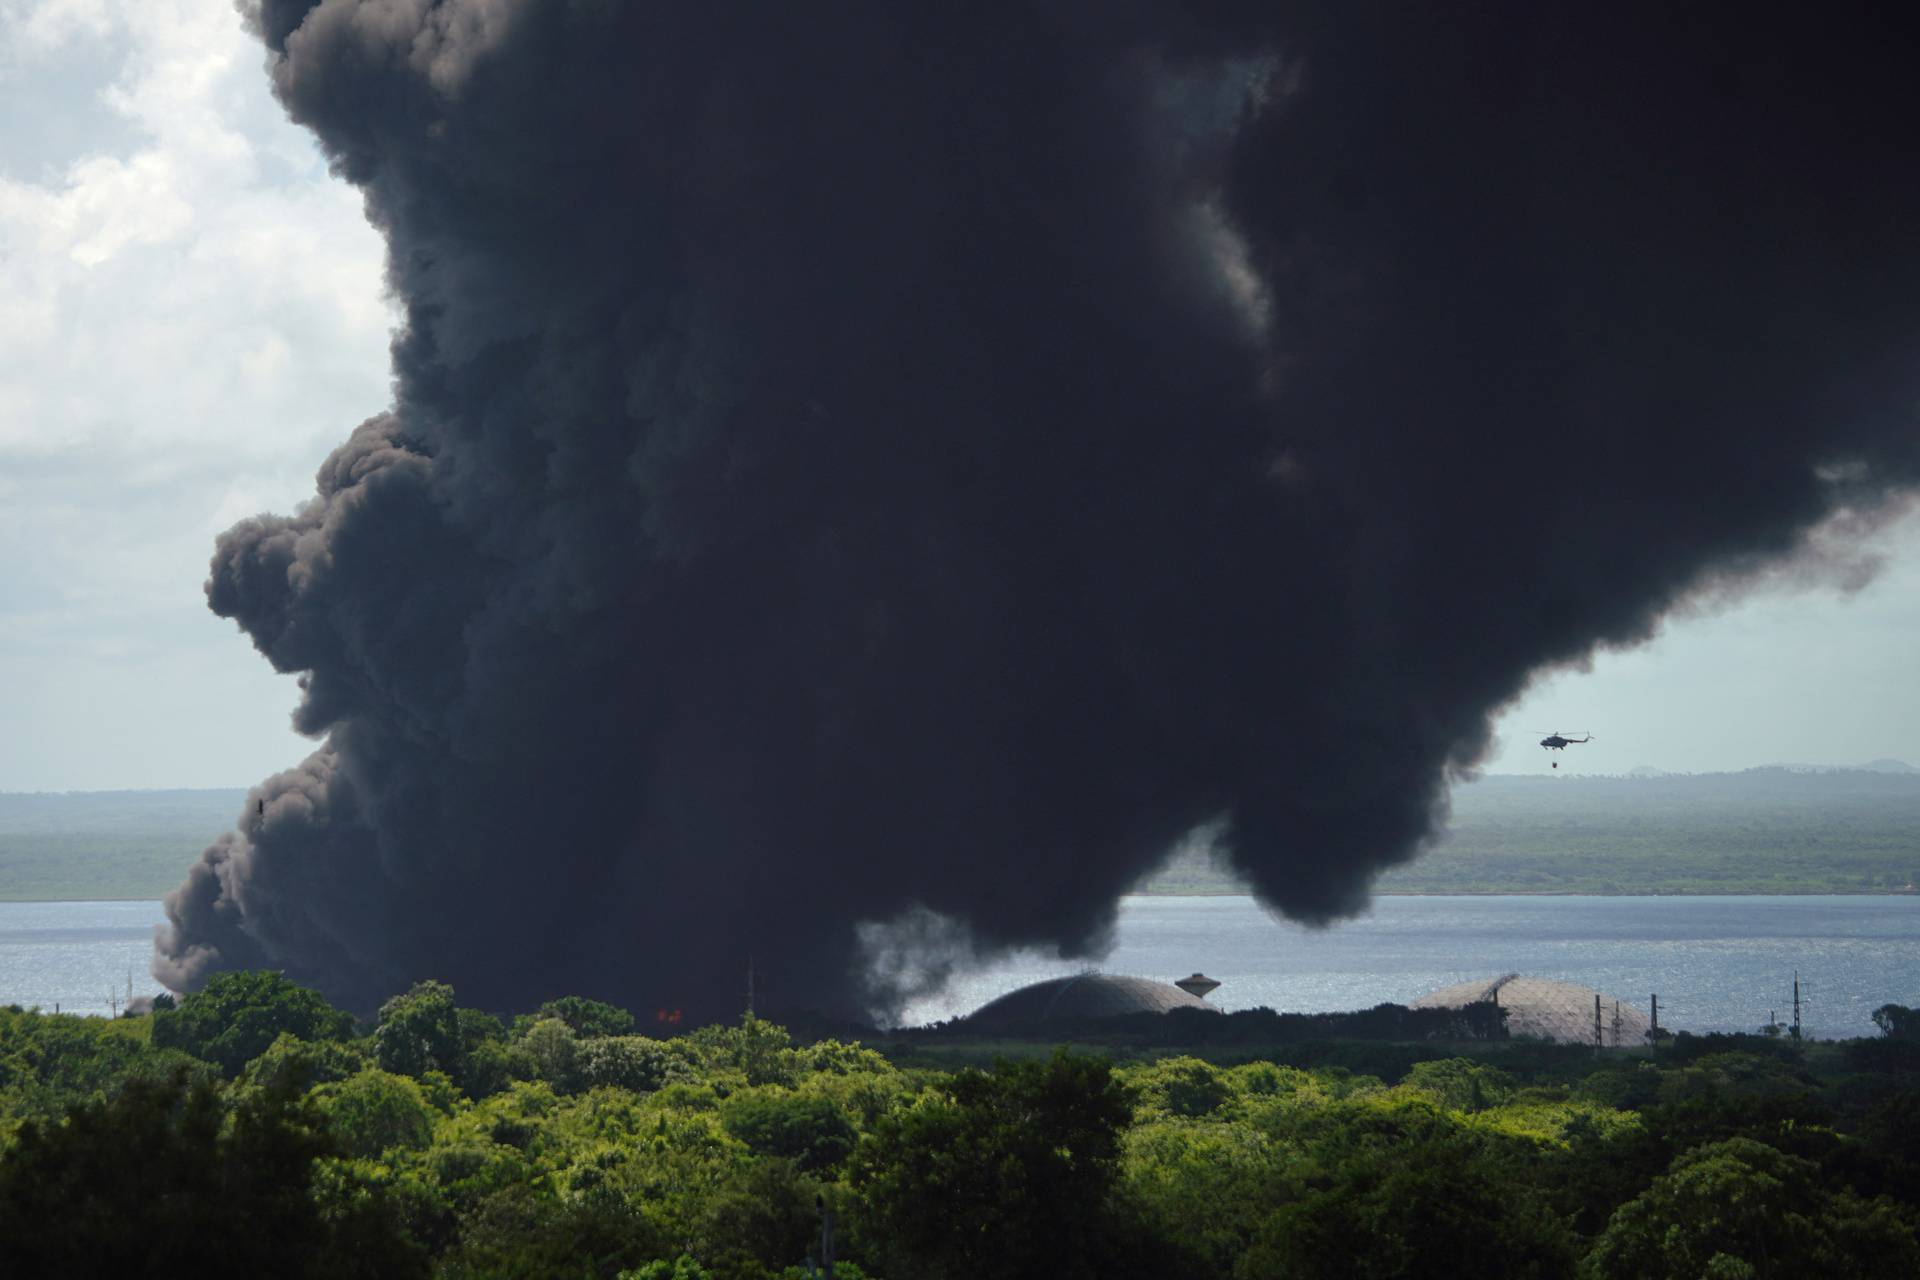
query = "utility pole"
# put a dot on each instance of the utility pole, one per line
(1796, 1004)
(1653, 1036)
(1616, 1024)
(1598, 1042)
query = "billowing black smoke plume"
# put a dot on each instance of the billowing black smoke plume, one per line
(849, 459)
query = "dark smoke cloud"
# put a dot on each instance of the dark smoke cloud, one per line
(869, 461)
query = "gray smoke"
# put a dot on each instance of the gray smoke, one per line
(884, 461)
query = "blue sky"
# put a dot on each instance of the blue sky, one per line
(191, 317)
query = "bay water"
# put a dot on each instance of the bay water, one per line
(1717, 963)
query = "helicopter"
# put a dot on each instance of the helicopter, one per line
(1557, 741)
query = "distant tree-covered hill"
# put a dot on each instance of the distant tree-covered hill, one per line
(1775, 830)
(106, 844)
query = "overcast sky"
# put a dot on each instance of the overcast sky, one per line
(191, 317)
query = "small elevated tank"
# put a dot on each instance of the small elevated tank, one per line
(1196, 984)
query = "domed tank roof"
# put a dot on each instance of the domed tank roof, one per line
(1085, 995)
(1545, 1009)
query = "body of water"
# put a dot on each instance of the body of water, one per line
(1718, 963)
(76, 955)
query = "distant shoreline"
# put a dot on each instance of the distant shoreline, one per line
(5, 898)
(1396, 893)
(1770, 832)
(1565, 893)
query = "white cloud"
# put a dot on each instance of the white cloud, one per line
(36, 28)
(139, 290)
(191, 315)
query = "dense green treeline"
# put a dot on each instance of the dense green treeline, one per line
(254, 1130)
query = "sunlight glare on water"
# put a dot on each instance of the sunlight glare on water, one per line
(78, 955)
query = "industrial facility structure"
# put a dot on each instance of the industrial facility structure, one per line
(1545, 1009)
(1536, 1008)
(1089, 995)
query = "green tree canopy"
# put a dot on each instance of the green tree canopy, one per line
(233, 1019)
(303, 1063)
(375, 1111)
(554, 1051)
(419, 1031)
(1011, 1173)
(1442, 1203)
(160, 1181)
(808, 1130)
(626, 1062)
(1461, 1084)
(1180, 1086)
(588, 1017)
(1897, 1022)
(758, 1049)
(1740, 1207)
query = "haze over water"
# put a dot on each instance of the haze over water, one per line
(1718, 963)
